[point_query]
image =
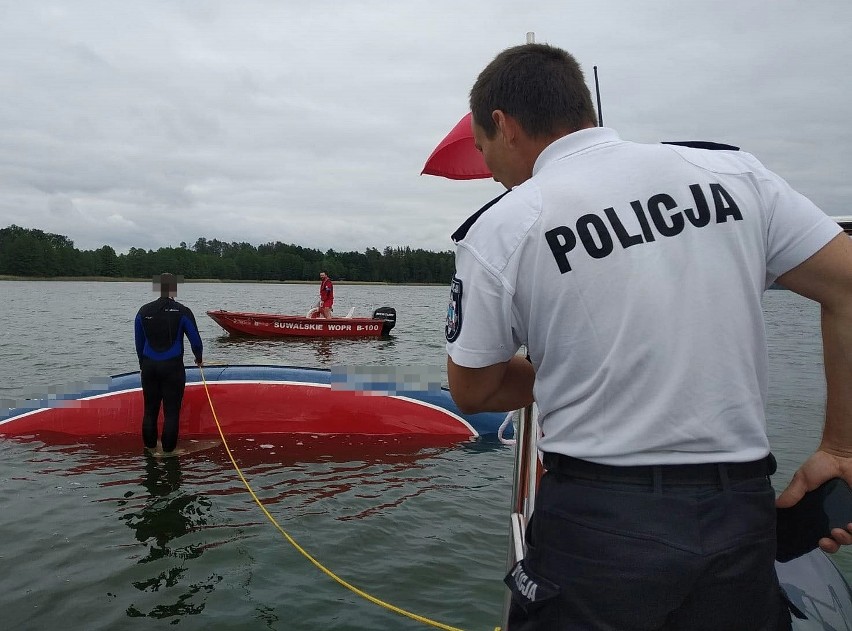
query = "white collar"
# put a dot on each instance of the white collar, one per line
(574, 143)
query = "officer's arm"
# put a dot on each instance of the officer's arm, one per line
(827, 278)
(497, 388)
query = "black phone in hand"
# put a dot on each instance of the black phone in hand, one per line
(801, 526)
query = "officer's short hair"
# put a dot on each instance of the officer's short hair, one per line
(539, 85)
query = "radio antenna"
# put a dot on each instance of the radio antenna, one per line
(598, 92)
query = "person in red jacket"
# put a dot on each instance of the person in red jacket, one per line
(326, 295)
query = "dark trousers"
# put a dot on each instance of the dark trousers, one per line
(678, 550)
(163, 382)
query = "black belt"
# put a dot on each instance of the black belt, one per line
(705, 473)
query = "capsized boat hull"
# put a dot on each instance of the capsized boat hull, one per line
(259, 400)
(818, 590)
(275, 325)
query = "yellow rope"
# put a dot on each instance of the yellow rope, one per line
(304, 553)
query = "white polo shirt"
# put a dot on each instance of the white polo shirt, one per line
(634, 273)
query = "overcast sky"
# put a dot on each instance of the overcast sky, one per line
(148, 123)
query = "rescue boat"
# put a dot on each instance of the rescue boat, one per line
(310, 325)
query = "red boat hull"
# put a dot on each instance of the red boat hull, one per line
(260, 401)
(274, 325)
(251, 408)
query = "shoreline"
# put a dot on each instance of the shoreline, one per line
(123, 279)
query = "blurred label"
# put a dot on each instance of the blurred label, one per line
(386, 379)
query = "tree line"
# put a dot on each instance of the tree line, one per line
(34, 253)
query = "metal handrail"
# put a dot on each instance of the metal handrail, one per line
(524, 484)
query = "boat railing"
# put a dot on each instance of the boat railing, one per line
(527, 469)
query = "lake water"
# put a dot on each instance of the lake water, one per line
(96, 538)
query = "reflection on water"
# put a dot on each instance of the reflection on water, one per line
(311, 351)
(160, 520)
(322, 348)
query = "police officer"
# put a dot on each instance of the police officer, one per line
(160, 327)
(633, 274)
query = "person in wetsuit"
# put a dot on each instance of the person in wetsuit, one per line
(160, 327)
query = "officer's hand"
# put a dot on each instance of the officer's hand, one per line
(819, 468)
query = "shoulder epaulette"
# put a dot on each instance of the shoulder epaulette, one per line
(461, 232)
(702, 144)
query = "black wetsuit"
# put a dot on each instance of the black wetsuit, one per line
(160, 327)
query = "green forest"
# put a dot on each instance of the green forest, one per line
(34, 253)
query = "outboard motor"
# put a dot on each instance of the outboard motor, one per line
(388, 314)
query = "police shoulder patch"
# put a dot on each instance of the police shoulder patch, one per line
(454, 311)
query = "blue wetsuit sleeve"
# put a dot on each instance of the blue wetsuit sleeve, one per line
(140, 337)
(191, 330)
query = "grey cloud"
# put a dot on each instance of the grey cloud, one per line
(148, 124)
